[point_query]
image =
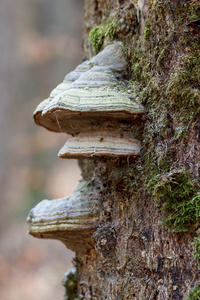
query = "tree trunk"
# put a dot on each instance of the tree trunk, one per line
(147, 244)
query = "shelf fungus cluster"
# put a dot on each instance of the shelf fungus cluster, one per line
(93, 105)
(91, 97)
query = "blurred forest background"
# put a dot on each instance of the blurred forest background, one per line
(40, 42)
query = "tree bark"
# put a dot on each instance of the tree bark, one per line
(144, 247)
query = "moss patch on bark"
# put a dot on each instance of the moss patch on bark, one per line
(194, 294)
(109, 29)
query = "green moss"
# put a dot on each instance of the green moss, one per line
(194, 293)
(147, 31)
(194, 11)
(163, 53)
(140, 65)
(181, 88)
(70, 283)
(110, 28)
(175, 193)
(180, 134)
(196, 254)
(178, 93)
(172, 102)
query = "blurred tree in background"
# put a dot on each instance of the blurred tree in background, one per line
(40, 42)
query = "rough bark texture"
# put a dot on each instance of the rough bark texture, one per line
(136, 254)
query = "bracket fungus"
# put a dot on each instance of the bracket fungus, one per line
(69, 78)
(112, 56)
(93, 98)
(100, 144)
(72, 219)
(93, 105)
(94, 101)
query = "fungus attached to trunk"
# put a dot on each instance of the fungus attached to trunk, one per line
(72, 219)
(94, 101)
(101, 144)
(93, 105)
(91, 96)
(69, 78)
